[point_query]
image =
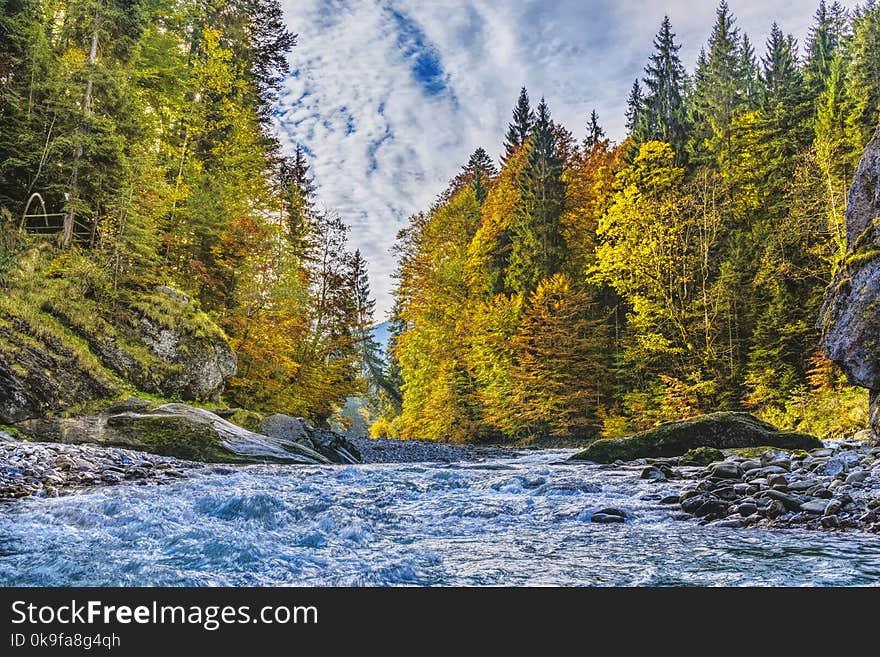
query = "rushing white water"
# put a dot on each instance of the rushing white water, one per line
(523, 521)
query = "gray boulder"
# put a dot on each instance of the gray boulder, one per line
(335, 447)
(723, 430)
(174, 430)
(850, 316)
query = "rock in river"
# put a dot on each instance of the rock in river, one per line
(718, 430)
(175, 430)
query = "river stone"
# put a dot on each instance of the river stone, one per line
(336, 447)
(856, 477)
(747, 509)
(726, 470)
(605, 518)
(653, 473)
(789, 502)
(174, 430)
(711, 507)
(814, 506)
(722, 430)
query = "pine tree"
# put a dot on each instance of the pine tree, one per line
(481, 170)
(718, 92)
(520, 128)
(595, 133)
(784, 117)
(664, 115)
(864, 74)
(298, 190)
(634, 109)
(749, 74)
(827, 36)
(538, 247)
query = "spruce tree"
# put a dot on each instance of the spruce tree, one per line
(664, 114)
(298, 190)
(634, 109)
(750, 74)
(520, 128)
(827, 36)
(480, 169)
(595, 133)
(864, 74)
(718, 92)
(538, 248)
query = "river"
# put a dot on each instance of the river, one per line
(506, 521)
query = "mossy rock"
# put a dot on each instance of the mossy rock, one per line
(176, 430)
(717, 431)
(702, 456)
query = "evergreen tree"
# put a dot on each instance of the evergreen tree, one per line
(595, 133)
(634, 109)
(826, 39)
(864, 74)
(750, 74)
(298, 190)
(664, 114)
(481, 170)
(718, 92)
(520, 128)
(538, 247)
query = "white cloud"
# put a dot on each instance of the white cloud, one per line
(385, 143)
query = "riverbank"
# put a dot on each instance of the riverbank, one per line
(49, 469)
(52, 469)
(836, 487)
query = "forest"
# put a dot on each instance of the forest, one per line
(136, 149)
(577, 287)
(587, 287)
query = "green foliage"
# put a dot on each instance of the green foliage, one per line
(698, 251)
(145, 127)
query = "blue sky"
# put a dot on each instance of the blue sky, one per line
(390, 97)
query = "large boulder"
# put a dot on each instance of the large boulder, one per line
(172, 430)
(336, 447)
(850, 317)
(717, 430)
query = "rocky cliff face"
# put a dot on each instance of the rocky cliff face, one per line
(850, 319)
(66, 357)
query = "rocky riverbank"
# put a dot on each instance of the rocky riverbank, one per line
(51, 469)
(836, 487)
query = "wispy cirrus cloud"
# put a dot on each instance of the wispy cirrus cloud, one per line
(389, 97)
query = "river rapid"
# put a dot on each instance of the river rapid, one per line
(503, 521)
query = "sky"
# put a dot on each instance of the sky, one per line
(390, 97)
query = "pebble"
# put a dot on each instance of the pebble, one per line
(653, 473)
(832, 488)
(814, 506)
(50, 469)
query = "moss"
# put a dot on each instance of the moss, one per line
(12, 431)
(169, 435)
(250, 420)
(702, 456)
(718, 430)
